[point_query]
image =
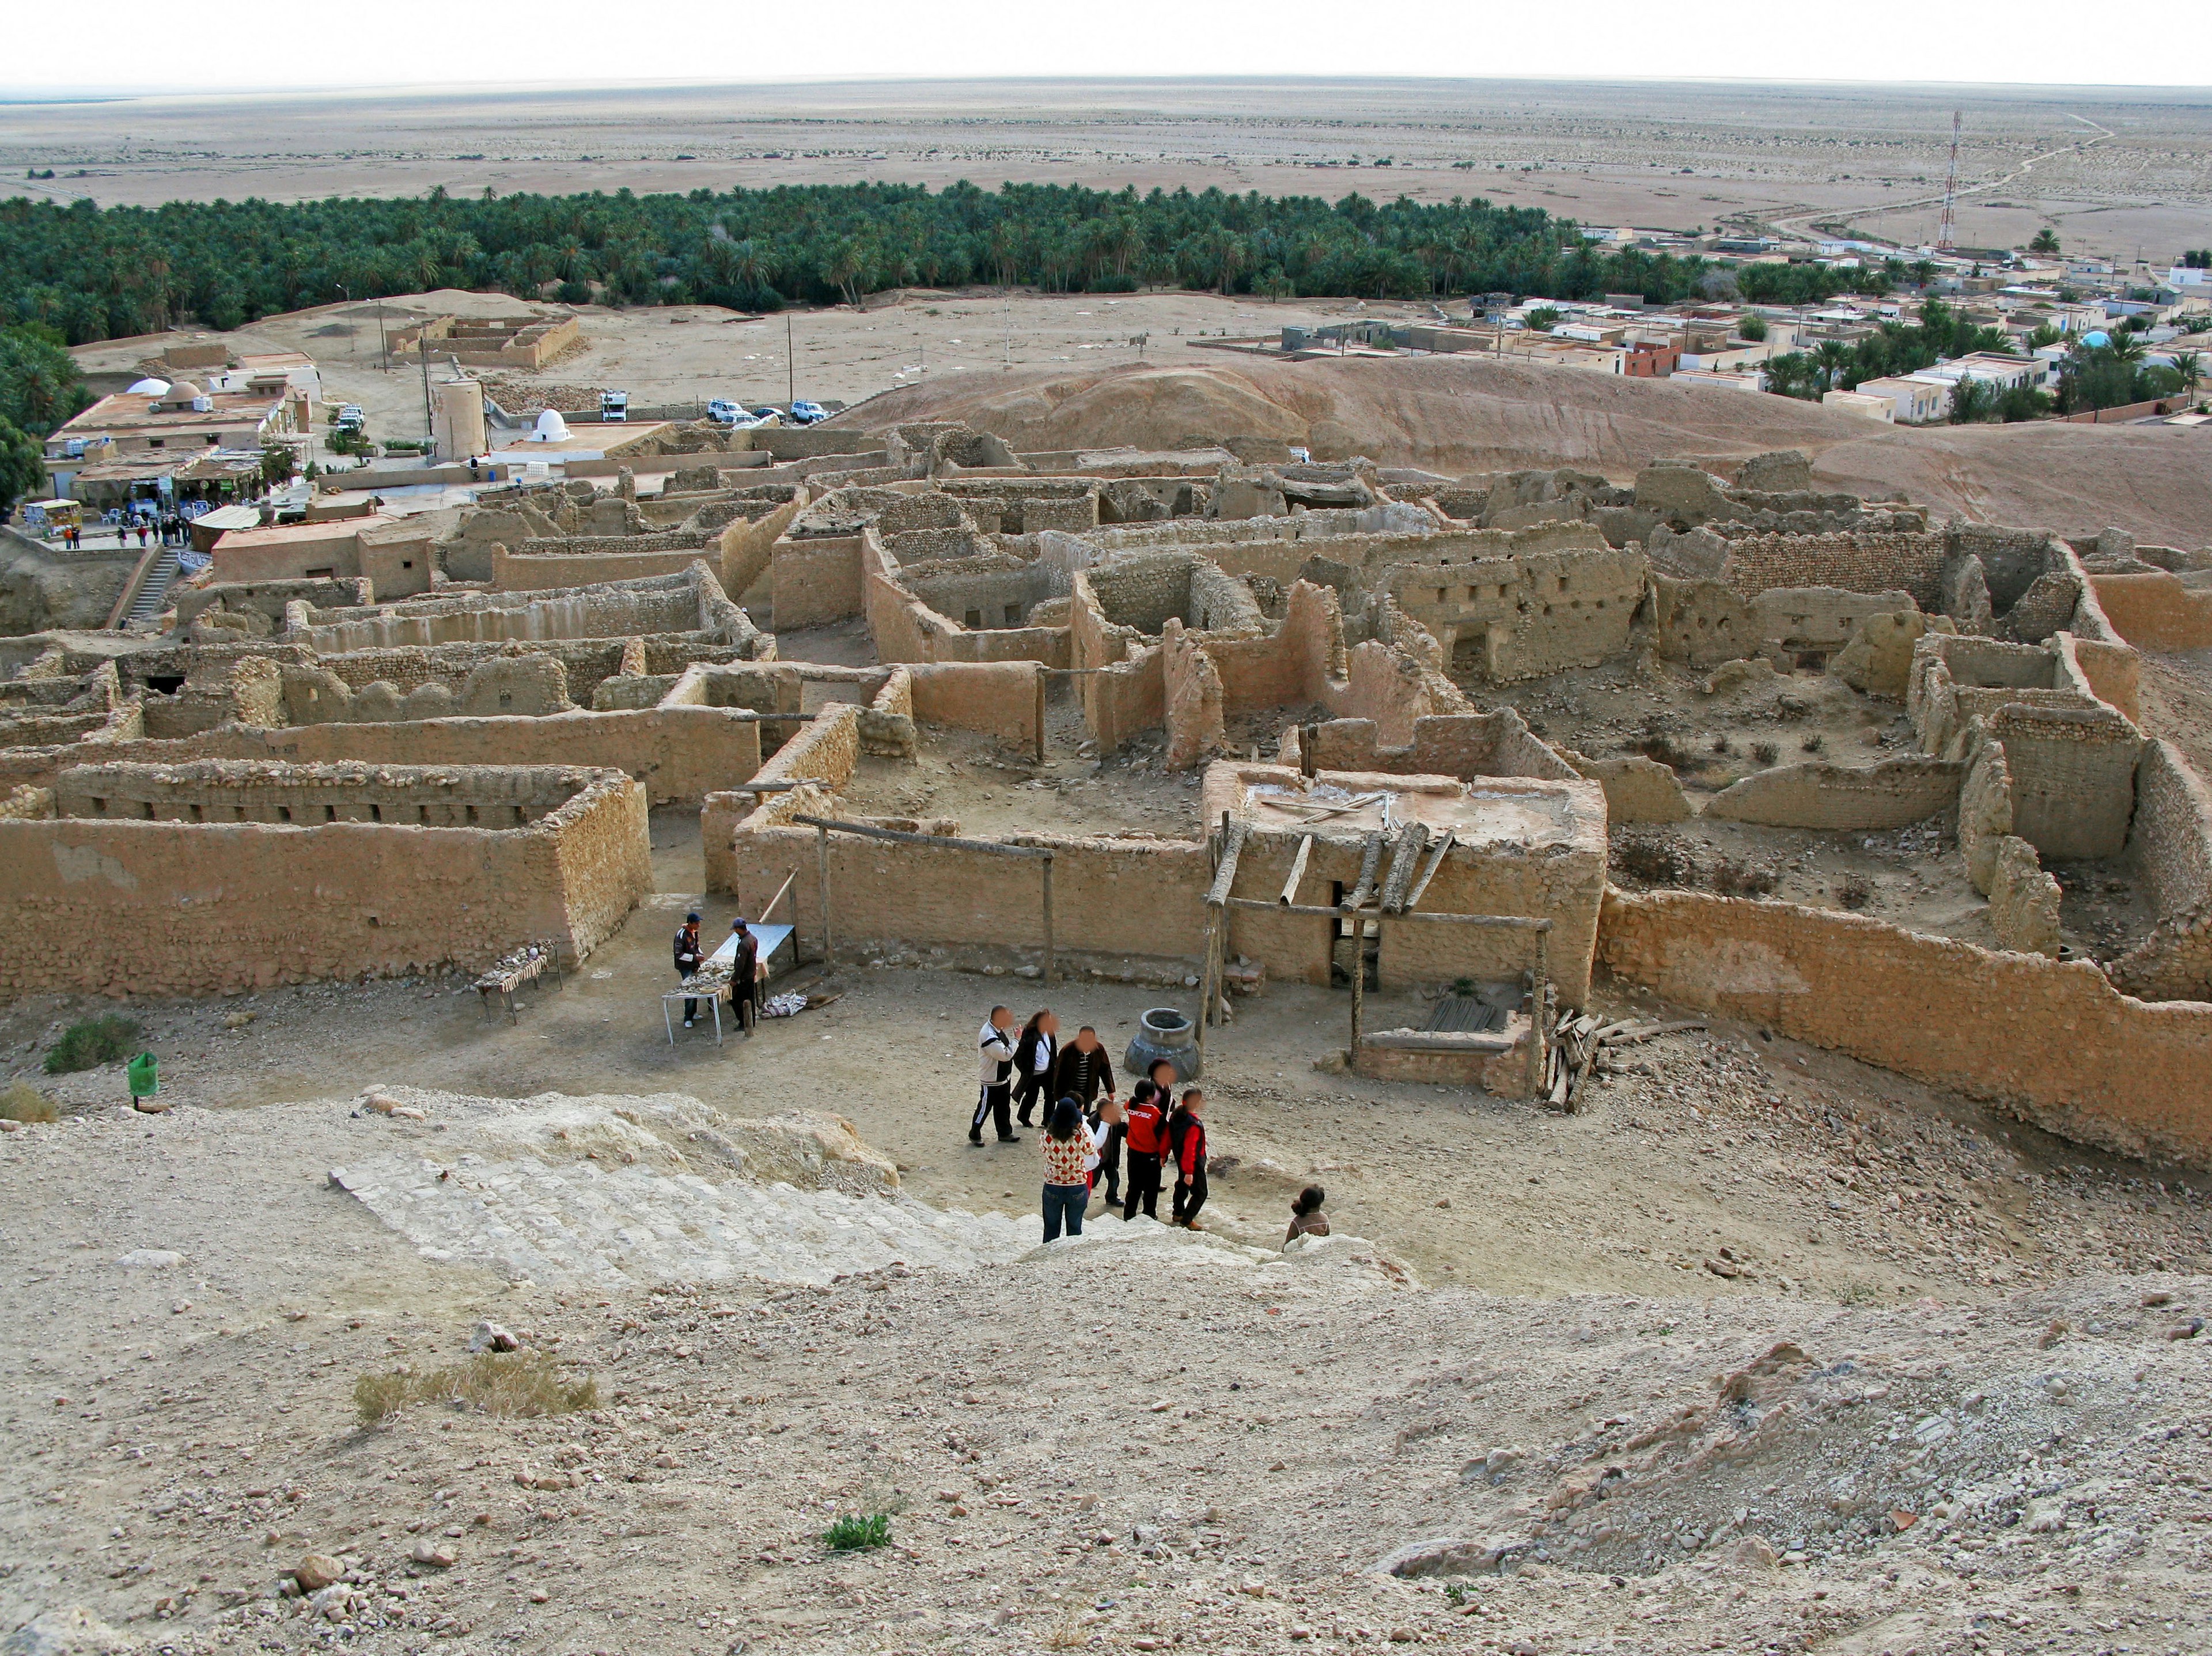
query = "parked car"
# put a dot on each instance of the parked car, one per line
(767, 416)
(804, 412)
(722, 411)
(614, 406)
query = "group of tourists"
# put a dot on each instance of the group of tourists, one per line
(1091, 1136)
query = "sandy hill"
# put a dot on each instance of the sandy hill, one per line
(1459, 415)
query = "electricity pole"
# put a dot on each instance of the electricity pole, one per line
(791, 366)
(430, 426)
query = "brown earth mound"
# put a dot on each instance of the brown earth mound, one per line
(1459, 415)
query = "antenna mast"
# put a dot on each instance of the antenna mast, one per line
(1947, 234)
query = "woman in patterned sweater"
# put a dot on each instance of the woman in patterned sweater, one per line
(1067, 1145)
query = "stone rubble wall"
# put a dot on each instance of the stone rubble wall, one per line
(2052, 1041)
(1869, 562)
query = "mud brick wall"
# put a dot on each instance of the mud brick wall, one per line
(269, 596)
(1865, 563)
(2051, 1040)
(998, 698)
(749, 546)
(115, 907)
(1140, 897)
(2155, 611)
(679, 754)
(815, 581)
(2170, 842)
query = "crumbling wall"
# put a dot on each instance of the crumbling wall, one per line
(2155, 611)
(1701, 624)
(1856, 561)
(2170, 842)
(269, 598)
(815, 581)
(1192, 691)
(1793, 621)
(175, 907)
(2073, 777)
(2023, 900)
(1523, 616)
(1893, 794)
(2051, 1040)
(1877, 660)
(1636, 789)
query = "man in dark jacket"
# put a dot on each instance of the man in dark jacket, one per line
(744, 971)
(1083, 1071)
(1036, 1054)
(689, 954)
(1187, 1143)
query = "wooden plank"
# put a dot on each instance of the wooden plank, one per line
(1436, 861)
(778, 787)
(1298, 872)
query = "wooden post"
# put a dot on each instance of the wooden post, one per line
(1205, 987)
(1536, 1015)
(1359, 976)
(1040, 715)
(822, 865)
(1048, 915)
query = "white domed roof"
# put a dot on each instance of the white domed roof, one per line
(149, 388)
(551, 428)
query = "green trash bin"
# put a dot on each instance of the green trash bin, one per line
(145, 1076)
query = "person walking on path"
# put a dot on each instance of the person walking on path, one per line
(1066, 1146)
(689, 953)
(1306, 1217)
(1035, 1054)
(1188, 1144)
(1084, 1069)
(995, 1048)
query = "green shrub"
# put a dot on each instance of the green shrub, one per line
(88, 1045)
(854, 1532)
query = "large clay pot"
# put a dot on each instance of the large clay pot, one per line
(1162, 1033)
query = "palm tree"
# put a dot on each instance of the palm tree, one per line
(1831, 355)
(2191, 367)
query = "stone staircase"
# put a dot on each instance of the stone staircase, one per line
(153, 596)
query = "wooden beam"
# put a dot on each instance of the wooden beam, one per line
(777, 787)
(1225, 876)
(1405, 852)
(942, 841)
(1371, 859)
(822, 865)
(782, 891)
(1536, 1066)
(1048, 976)
(1297, 871)
(1436, 861)
(1040, 719)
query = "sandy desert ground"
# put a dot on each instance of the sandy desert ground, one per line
(1762, 1351)
(2121, 171)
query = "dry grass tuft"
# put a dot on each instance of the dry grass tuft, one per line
(497, 1382)
(24, 1102)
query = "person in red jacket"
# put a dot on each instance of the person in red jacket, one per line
(1189, 1149)
(1145, 1139)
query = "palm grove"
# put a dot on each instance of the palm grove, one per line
(94, 274)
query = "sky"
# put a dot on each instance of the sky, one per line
(260, 44)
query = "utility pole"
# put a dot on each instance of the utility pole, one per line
(791, 365)
(430, 426)
(1947, 232)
